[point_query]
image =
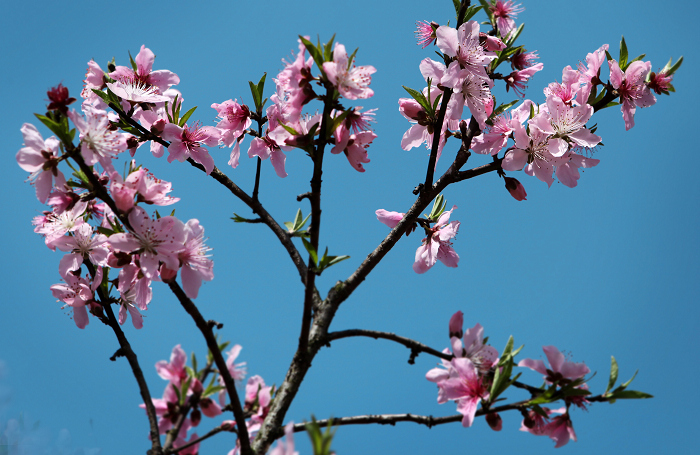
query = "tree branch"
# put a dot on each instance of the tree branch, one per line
(413, 345)
(213, 346)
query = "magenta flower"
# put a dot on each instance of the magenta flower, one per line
(660, 82)
(559, 368)
(352, 83)
(560, 430)
(523, 59)
(517, 80)
(189, 142)
(467, 389)
(504, 12)
(632, 88)
(234, 119)
(438, 245)
(41, 159)
(425, 33)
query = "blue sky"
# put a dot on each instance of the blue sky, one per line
(607, 268)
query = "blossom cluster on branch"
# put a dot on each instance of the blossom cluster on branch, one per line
(116, 247)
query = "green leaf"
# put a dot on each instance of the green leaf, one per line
(351, 59)
(133, 63)
(623, 54)
(289, 225)
(624, 386)
(194, 362)
(613, 374)
(311, 250)
(675, 67)
(314, 52)
(257, 91)
(289, 129)
(471, 11)
(456, 4)
(611, 104)
(607, 54)
(421, 99)
(637, 58)
(503, 107)
(487, 9)
(186, 117)
(630, 394)
(514, 36)
(190, 372)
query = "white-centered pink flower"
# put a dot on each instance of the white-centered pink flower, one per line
(40, 157)
(234, 118)
(55, 225)
(99, 142)
(132, 89)
(194, 260)
(81, 245)
(559, 368)
(75, 293)
(464, 45)
(162, 79)
(466, 388)
(566, 122)
(495, 137)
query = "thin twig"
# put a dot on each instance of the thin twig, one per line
(413, 345)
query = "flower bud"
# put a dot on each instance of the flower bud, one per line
(494, 421)
(456, 323)
(515, 188)
(167, 275)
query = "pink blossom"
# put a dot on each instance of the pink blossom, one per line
(189, 142)
(523, 59)
(566, 122)
(162, 79)
(504, 12)
(194, 260)
(495, 137)
(560, 430)
(136, 318)
(391, 219)
(94, 79)
(355, 147)
(464, 45)
(536, 151)
(55, 225)
(438, 245)
(568, 165)
(589, 76)
(234, 119)
(75, 293)
(98, 141)
(134, 287)
(467, 389)
(567, 90)
(455, 325)
(81, 245)
(559, 368)
(41, 159)
(660, 82)
(352, 83)
(156, 240)
(173, 371)
(425, 33)
(632, 88)
(265, 148)
(473, 348)
(59, 99)
(517, 80)
(135, 91)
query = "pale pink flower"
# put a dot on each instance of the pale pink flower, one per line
(536, 151)
(194, 260)
(94, 79)
(55, 225)
(632, 88)
(567, 90)
(466, 388)
(495, 137)
(559, 368)
(173, 371)
(473, 348)
(81, 245)
(156, 240)
(352, 83)
(126, 307)
(438, 245)
(41, 159)
(155, 123)
(465, 46)
(264, 148)
(391, 219)
(355, 147)
(189, 142)
(566, 122)
(98, 141)
(75, 293)
(568, 165)
(135, 91)
(472, 90)
(504, 12)
(134, 287)
(589, 74)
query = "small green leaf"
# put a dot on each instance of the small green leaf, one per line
(675, 67)
(289, 129)
(289, 225)
(471, 11)
(623, 54)
(624, 386)
(256, 95)
(311, 250)
(514, 36)
(613, 374)
(186, 117)
(314, 52)
(351, 59)
(487, 9)
(607, 54)
(630, 394)
(637, 58)
(194, 362)
(133, 63)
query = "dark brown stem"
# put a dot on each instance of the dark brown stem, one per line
(413, 345)
(211, 433)
(213, 346)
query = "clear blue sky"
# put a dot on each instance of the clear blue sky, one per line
(607, 268)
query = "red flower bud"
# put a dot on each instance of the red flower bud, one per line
(516, 189)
